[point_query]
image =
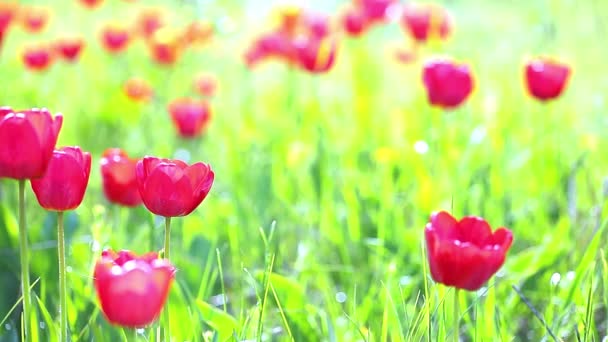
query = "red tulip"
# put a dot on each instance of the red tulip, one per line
(7, 13)
(65, 181)
(165, 46)
(205, 84)
(148, 21)
(464, 254)
(115, 37)
(274, 44)
(131, 289)
(189, 116)
(317, 24)
(69, 47)
(91, 3)
(546, 78)
(447, 83)
(376, 10)
(118, 178)
(316, 56)
(37, 57)
(27, 140)
(34, 18)
(171, 188)
(426, 21)
(354, 21)
(138, 90)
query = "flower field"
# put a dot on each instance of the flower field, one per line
(357, 170)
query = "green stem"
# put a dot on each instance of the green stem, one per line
(166, 256)
(456, 317)
(63, 306)
(25, 269)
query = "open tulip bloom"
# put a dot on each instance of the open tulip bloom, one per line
(27, 140)
(464, 253)
(132, 290)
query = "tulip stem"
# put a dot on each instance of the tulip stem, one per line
(166, 256)
(456, 317)
(25, 269)
(63, 306)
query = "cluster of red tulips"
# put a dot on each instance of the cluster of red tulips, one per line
(131, 289)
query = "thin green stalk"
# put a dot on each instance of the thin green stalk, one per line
(25, 269)
(456, 317)
(166, 325)
(63, 306)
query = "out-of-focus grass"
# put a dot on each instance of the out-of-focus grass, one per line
(320, 197)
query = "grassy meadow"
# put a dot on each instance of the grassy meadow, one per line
(313, 230)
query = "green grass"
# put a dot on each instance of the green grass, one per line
(313, 230)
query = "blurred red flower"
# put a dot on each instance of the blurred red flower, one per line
(354, 21)
(376, 10)
(115, 37)
(27, 140)
(37, 57)
(448, 84)
(65, 181)
(34, 18)
(149, 20)
(464, 254)
(138, 89)
(205, 84)
(118, 178)
(197, 32)
(190, 116)
(426, 21)
(273, 44)
(171, 188)
(546, 78)
(131, 289)
(7, 14)
(165, 46)
(316, 55)
(91, 3)
(69, 47)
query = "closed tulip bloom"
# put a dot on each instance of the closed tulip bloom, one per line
(316, 56)
(426, 21)
(464, 254)
(131, 289)
(274, 44)
(190, 116)
(65, 181)
(118, 178)
(27, 140)
(448, 84)
(115, 37)
(69, 47)
(546, 78)
(171, 188)
(37, 57)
